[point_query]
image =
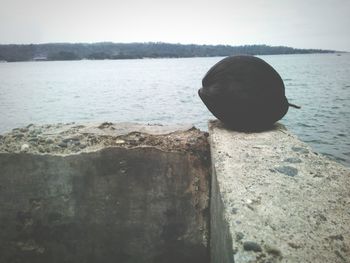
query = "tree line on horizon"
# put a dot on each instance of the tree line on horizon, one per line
(107, 50)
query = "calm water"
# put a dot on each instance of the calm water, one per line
(165, 91)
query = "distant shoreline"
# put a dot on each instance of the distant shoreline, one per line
(118, 51)
(145, 58)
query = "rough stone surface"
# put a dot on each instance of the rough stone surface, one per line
(75, 138)
(131, 194)
(279, 196)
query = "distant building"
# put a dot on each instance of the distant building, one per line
(41, 58)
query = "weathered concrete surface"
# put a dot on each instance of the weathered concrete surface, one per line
(279, 201)
(125, 196)
(76, 138)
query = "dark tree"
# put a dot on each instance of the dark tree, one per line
(64, 55)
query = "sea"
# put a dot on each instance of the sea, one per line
(164, 91)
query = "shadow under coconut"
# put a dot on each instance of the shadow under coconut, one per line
(276, 126)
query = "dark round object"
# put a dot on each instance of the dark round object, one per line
(245, 93)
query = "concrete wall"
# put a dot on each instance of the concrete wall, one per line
(140, 193)
(127, 203)
(274, 200)
(220, 235)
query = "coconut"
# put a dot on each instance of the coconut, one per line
(245, 93)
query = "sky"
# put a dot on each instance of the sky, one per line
(321, 24)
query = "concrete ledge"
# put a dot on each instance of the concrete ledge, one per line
(104, 193)
(140, 193)
(274, 200)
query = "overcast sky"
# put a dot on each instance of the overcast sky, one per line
(297, 23)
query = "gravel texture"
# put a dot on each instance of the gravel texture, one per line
(280, 201)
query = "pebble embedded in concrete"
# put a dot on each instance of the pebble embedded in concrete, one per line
(293, 160)
(287, 170)
(251, 246)
(24, 147)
